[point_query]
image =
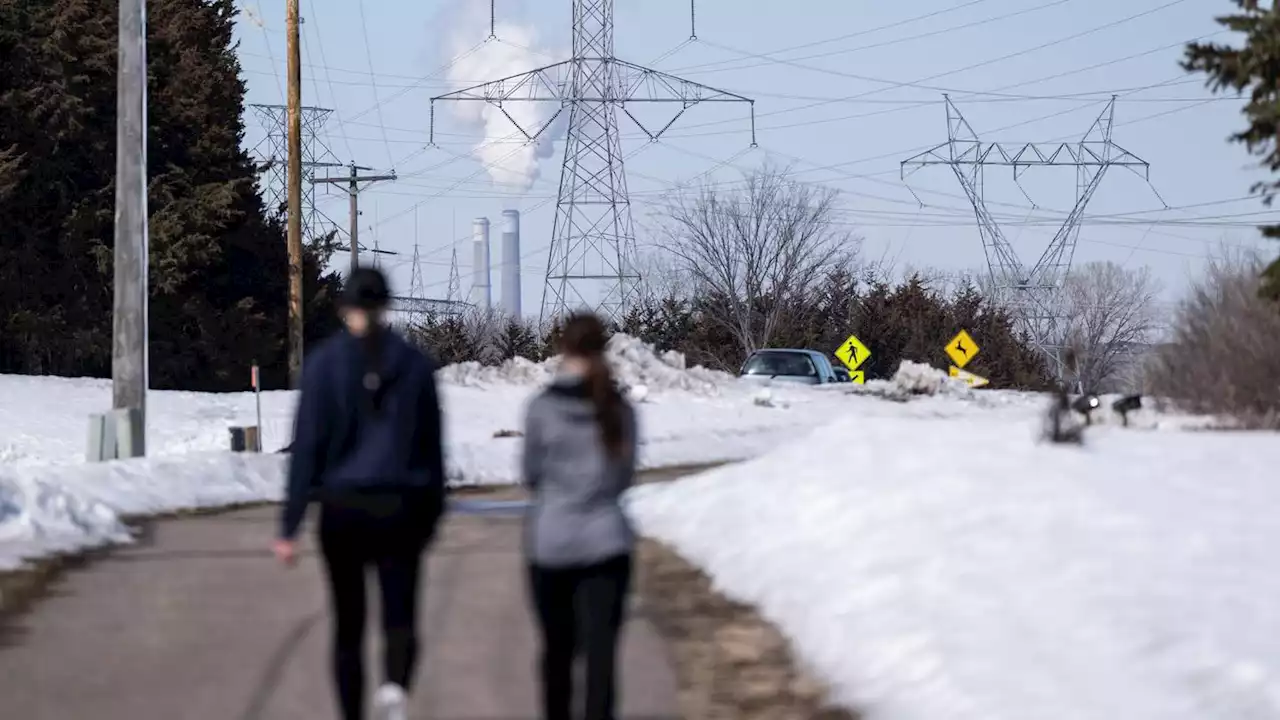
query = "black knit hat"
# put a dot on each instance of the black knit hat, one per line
(366, 289)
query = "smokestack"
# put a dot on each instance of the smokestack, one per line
(481, 297)
(510, 272)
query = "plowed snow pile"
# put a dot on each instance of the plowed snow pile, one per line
(634, 361)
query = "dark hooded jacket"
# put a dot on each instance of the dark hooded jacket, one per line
(355, 432)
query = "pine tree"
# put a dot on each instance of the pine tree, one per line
(218, 263)
(1253, 66)
(517, 339)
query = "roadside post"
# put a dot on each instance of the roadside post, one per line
(256, 379)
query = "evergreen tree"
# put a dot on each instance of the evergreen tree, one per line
(1255, 66)
(218, 263)
(518, 339)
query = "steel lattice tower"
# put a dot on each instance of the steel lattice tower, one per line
(455, 281)
(273, 151)
(1033, 294)
(593, 249)
(417, 289)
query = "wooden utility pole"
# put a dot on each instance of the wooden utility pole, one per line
(129, 311)
(295, 194)
(351, 183)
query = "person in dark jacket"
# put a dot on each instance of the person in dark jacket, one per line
(579, 457)
(367, 446)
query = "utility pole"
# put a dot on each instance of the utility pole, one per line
(351, 183)
(295, 195)
(129, 312)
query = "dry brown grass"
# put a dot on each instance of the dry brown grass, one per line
(731, 664)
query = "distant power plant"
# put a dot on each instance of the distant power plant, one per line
(509, 270)
(481, 297)
(510, 273)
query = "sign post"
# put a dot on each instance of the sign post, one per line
(962, 349)
(257, 398)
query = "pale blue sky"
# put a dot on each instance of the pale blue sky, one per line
(808, 117)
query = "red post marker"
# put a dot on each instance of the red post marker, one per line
(257, 401)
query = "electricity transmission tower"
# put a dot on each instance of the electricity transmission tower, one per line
(592, 260)
(416, 306)
(1034, 294)
(273, 150)
(455, 282)
(417, 289)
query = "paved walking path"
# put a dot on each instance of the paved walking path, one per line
(199, 623)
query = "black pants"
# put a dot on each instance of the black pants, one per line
(580, 608)
(389, 531)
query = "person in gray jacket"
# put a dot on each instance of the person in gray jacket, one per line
(579, 457)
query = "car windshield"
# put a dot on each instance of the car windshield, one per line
(777, 363)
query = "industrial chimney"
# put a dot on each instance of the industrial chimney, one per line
(509, 276)
(481, 297)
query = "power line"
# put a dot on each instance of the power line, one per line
(771, 59)
(314, 16)
(255, 17)
(890, 84)
(907, 105)
(368, 53)
(403, 91)
(846, 36)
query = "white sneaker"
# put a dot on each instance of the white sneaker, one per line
(390, 703)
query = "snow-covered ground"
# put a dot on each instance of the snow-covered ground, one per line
(927, 555)
(929, 568)
(51, 500)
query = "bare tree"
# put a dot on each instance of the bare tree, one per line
(663, 273)
(1111, 319)
(1223, 355)
(757, 248)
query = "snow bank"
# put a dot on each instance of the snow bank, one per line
(634, 362)
(932, 569)
(924, 379)
(55, 509)
(519, 371)
(687, 416)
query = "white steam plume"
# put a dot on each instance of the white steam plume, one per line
(508, 157)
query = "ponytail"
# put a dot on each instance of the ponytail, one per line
(608, 405)
(584, 337)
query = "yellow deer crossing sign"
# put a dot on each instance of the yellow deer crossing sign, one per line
(962, 349)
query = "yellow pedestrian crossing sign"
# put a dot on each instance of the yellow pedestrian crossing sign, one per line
(857, 377)
(962, 349)
(973, 381)
(853, 353)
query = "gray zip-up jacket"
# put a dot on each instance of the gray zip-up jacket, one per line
(576, 517)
